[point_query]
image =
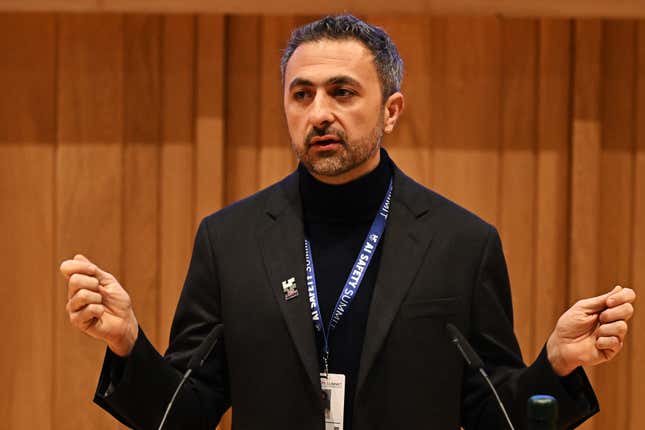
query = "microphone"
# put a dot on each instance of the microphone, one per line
(196, 361)
(542, 412)
(208, 344)
(474, 362)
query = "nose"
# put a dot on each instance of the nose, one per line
(321, 114)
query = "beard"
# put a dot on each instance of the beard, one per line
(348, 156)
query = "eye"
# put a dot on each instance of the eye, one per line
(343, 92)
(300, 94)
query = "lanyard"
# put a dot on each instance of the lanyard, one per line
(353, 280)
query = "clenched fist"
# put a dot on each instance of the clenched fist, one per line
(592, 331)
(99, 306)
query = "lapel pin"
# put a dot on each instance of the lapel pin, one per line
(289, 289)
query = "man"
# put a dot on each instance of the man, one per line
(339, 281)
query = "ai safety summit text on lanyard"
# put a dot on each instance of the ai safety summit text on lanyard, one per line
(353, 280)
(333, 385)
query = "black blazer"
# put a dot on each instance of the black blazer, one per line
(440, 263)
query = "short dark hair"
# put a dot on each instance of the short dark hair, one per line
(389, 65)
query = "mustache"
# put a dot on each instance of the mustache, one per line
(317, 131)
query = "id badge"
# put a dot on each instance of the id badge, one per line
(333, 387)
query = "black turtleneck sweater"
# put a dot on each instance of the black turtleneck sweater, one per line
(337, 219)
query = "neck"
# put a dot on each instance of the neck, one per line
(349, 201)
(361, 170)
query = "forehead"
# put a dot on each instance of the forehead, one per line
(322, 59)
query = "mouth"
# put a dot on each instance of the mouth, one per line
(328, 141)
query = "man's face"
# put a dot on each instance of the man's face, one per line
(334, 109)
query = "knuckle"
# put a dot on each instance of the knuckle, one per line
(579, 303)
(84, 295)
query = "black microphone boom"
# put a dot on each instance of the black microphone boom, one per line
(208, 344)
(475, 362)
(196, 361)
(471, 357)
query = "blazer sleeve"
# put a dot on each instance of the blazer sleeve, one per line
(137, 389)
(491, 334)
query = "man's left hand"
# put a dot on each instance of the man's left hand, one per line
(592, 331)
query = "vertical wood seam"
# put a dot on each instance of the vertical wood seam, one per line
(500, 123)
(537, 32)
(54, 203)
(195, 117)
(160, 195)
(569, 162)
(124, 147)
(634, 199)
(258, 116)
(226, 31)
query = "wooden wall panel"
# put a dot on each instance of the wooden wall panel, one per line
(615, 215)
(275, 157)
(517, 8)
(28, 268)
(585, 164)
(210, 178)
(466, 53)
(89, 171)
(552, 183)
(119, 133)
(177, 182)
(242, 106)
(637, 372)
(410, 144)
(516, 220)
(141, 158)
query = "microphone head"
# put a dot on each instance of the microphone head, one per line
(472, 358)
(542, 408)
(204, 349)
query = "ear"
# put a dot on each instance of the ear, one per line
(393, 109)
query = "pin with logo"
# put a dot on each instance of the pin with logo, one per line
(289, 289)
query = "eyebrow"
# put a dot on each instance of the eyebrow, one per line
(334, 80)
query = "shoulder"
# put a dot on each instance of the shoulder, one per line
(455, 220)
(249, 210)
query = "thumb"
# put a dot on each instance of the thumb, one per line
(598, 303)
(100, 274)
(81, 257)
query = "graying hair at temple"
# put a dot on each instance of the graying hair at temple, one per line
(389, 65)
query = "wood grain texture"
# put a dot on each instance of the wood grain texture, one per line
(275, 159)
(410, 143)
(141, 175)
(615, 216)
(467, 57)
(552, 184)
(210, 180)
(585, 164)
(177, 182)
(119, 133)
(637, 328)
(28, 268)
(519, 8)
(89, 172)
(516, 219)
(242, 106)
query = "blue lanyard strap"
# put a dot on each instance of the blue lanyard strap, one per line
(353, 280)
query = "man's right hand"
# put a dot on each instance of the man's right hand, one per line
(99, 306)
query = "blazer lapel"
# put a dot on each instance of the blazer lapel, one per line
(405, 243)
(282, 243)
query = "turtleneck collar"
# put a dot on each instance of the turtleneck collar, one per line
(357, 200)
